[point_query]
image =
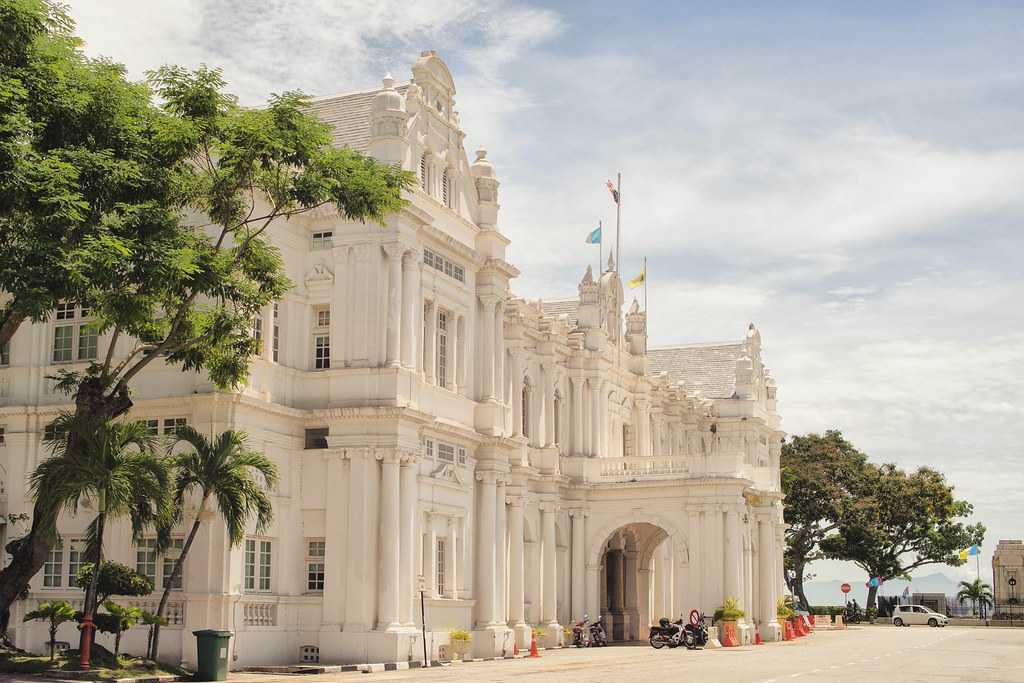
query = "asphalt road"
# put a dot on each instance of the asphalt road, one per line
(869, 653)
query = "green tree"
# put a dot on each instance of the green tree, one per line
(225, 473)
(904, 521)
(115, 579)
(113, 466)
(56, 613)
(180, 267)
(978, 592)
(124, 619)
(817, 472)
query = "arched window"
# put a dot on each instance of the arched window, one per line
(446, 189)
(627, 441)
(423, 172)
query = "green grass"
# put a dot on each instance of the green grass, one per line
(103, 667)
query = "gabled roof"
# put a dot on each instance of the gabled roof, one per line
(569, 307)
(710, 368)
(349, 116)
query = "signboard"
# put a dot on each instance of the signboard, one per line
(845, 588)
(694, 617)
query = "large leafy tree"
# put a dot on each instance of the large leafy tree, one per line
(171, 254)
(224, 473)
(905, 521)
(817, 474)
(112, 467)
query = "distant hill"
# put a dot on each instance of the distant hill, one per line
(828, 593)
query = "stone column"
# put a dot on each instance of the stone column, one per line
(643, 608)
(603, 426)
(629, 561)
(733, 555)
(407, 533)
(549, 614)
(577, 415)
(766, 578)
(578, 569)
(487, 387)
(516, 590)
(411, 305)
(394, 250)
(695, 535)
(549, 405)
(451, 562)
(500, 550)
(358, 603)
(485, 550)
(430, 571)
(334, 551)
(499, 351)
(593, 590)
(389, 544)
(595, 420)
(517, 393)
(361, 296)
(430, 342)
(643, 430)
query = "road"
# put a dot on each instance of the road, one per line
(876, 653)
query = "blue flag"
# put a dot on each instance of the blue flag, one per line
(595, 236)
(973, 550)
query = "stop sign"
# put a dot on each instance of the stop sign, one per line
(845, 588)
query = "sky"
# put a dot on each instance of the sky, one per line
(848, 176)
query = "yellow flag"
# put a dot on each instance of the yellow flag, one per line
(963, 555)
(639, 279)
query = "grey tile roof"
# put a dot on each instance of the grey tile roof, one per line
(568, 307)
(711, 368)
(348, 116)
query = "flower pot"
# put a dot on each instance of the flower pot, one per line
(729, 638)
(460, 648)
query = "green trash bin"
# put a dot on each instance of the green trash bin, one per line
(212, 654)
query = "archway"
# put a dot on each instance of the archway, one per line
(635, 581)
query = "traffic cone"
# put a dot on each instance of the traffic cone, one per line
(757, 635)
(533, 646)
(515, 648)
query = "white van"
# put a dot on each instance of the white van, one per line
(905, 615)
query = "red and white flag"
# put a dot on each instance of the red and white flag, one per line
(614, 191)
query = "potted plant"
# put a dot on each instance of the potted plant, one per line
(460, 641)
(784, 612)
(728, 613)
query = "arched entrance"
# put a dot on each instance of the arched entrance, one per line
(635, 582)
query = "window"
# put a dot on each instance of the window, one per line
(446, 196)
(440, 567)
(62, 338)
(275, 331)
(53, 567)
(5, 354)
(323, 240)
(316, 437)
(458, 273)
(428, 447)
(445, 452)
(557, 418)
(52, 432)
(442, 349)
(322, 345)
(177, 545)
(153, 427)
(65, 311)
(323, 317)
(257, 333)
(3, 436)
(462, 455)
(257, 565)
(627, 441)
(449, 268)
(173, 425)
(423, 172)
(76, 557)
(526, 410)
(87, 338)
(315, 565)
(145, 558)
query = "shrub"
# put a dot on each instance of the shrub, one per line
(729, 611)
(457, 634)
(783, 610)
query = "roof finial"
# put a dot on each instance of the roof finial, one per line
(389, 82)
(611, 262)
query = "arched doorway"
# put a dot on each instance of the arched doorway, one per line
(635, 582)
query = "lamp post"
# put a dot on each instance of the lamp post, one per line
(1012, 582)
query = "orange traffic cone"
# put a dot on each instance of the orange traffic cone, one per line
(533, 646)
(757, 635)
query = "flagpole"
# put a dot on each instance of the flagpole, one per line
(618, 222)
(645, 287)
(600, 247)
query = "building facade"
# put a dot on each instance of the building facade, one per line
(1008, 576)
(520, 463)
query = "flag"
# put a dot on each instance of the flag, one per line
(639, 279)
(974, 550)
(595, 236)
(906, 592)
(963, 555)
(615, 192)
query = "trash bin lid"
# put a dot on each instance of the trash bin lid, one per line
(213, 632)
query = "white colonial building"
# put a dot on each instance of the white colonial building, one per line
(522, 462)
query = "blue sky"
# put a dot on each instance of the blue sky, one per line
(849, 176)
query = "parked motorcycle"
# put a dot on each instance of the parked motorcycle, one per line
(579, 633)
(598, 638)
(695, 633)
(667, 632)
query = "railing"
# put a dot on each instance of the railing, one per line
(259, 614)
(174, 612)
(642, 467)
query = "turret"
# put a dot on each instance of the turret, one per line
(388, 117)
(745, 388)
(636, 337)
(486, 182)
(588, 315)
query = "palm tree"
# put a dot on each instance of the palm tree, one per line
(124, 619)
(222, 470)
(978, 592)
(56, 613)
(113, 466)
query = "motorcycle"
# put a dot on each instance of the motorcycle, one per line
(667, 632)
(579, 633)
(598, 638)
(695, 633)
